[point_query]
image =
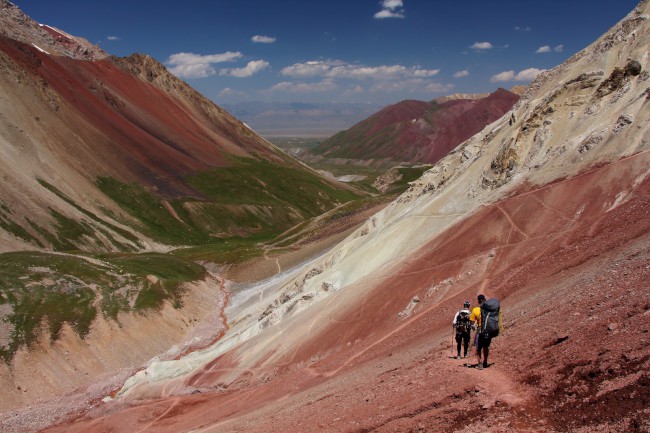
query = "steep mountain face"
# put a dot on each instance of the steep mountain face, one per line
(546, 209)
(118, 154)
(18, 26)
(105, 163)
(417, 131)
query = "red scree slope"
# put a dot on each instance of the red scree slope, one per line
(569, 262)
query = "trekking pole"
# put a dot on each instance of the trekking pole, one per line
(452, 341)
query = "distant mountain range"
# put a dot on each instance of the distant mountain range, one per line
(418, 131)
(304, 119)
(300, 119)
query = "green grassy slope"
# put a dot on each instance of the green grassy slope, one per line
(44, 290)
(250, 198)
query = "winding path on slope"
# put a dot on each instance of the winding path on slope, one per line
(276, 259)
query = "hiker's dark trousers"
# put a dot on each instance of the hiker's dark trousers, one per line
(462, 338)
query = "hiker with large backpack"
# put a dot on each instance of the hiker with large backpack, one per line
(487, 320)
(462, 326)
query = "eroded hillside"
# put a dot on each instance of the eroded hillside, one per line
(117, 154)
(417, 131)
(547, 209)
(109, 164)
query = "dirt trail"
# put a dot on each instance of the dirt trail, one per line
(467, 399)
(463, 398)
(275, 259)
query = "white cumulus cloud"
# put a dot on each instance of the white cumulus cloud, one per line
(528, 74)
(340, 69)
(503, 76)
(247, 71)
(263, 39)
(438, 88)
(460, 74)
(337, 73)
(392, 4)
(228, 92)
(389, 14)
(391, 9)
(190, 65)
(309, 69)
(482, 46)
(525, 75)
(425, 72)
(361, 72)
(412, 85)
(319, 87)
(548, 49)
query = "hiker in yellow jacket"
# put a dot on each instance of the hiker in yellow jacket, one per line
(481, 344)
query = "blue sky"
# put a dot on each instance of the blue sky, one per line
(379, 51)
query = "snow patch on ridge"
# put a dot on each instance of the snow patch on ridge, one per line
(39, 48)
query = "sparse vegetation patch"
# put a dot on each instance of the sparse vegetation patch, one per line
(44, 291)
(126, 234)
(249, 198)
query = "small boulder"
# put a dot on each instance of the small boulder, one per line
(633, 68)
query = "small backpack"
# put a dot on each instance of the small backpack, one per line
(491, 317)
(462, 322)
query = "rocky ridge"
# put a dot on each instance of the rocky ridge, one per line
(417, 131)
(16, 25)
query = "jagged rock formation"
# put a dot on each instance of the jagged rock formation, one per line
(417, 131)
(18, 26)
(384, 181)
(547, 209)
(518, 90)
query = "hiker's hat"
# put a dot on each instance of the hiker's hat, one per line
(481, 298)
(466, 304)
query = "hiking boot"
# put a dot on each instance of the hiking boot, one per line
(485, 364)
(479, 366)
(457, 357)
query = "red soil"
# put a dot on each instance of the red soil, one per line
(417, 131)
(130, 126)
(460, 122)
(569, 262)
